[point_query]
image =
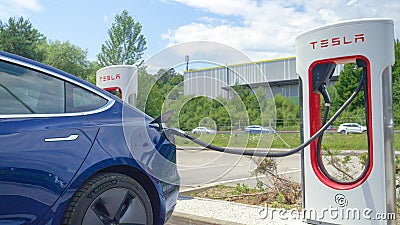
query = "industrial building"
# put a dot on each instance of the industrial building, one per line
(278, 74)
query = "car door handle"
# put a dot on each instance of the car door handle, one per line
(71, 137)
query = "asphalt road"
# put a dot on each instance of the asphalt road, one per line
(199, 168)
(202, 168)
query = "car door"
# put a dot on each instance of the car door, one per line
(354, 128)
(42, 143)
(348, 128)
(358, 128)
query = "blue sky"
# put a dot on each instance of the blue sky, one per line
(262, 29)
(85, 23)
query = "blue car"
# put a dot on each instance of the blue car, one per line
(71, 153)
(256, 129)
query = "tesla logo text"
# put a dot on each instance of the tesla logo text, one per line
(338, 41)
(106, 78)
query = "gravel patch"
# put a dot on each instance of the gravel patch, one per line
(234, 212)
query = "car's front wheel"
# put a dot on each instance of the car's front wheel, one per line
(107, 199)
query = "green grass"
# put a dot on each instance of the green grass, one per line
(235, 140)
(333, 140)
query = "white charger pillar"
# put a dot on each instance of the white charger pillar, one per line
(121, 80)
(370, 198)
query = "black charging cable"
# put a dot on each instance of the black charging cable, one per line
(260, 153)
(326, 97)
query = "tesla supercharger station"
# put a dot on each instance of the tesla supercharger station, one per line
(370, 198)
(120, 80)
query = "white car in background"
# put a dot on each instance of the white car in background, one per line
(203, 130)
(346, 128)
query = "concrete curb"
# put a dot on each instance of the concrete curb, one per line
(194, 210)
(195, 190)
(179, 218)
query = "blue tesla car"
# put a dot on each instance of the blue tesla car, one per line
(71, 153)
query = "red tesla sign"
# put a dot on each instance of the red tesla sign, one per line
(337, 41)
(106, 78)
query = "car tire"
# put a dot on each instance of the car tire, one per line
(109, 198)
(343, 132)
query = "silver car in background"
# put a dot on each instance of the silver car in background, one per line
(203, 130)
(346, 128)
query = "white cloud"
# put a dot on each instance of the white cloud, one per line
(268, 27)
(10, 8)
(351, 2)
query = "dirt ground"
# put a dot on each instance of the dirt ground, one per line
(240, 194)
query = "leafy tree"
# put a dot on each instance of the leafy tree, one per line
(69, 58)
(250, 101)
(286, 111)
(91, 70)
(396, 83)
(125, 45)
(196, 109)
(160, 92)
(145, 82)
(259, 108)
(237, 109)
(19, 37)
(346, 84)
(162, 86)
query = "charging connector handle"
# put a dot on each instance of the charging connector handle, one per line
(325, 95)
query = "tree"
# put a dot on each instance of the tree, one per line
(91, 71)
(19, 37)
(346, 84)
(286, 111)
(69, 58)
(125, 45)
(145, 82)
(162, 87)
(396, 83)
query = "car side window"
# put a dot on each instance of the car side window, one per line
(26, 91)
(79, 99)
